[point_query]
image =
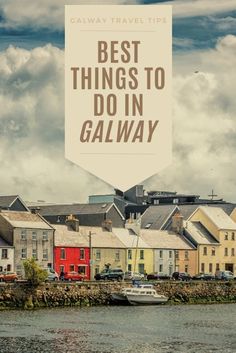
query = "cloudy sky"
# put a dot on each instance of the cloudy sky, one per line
(32, 161)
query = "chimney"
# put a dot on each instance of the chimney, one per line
(72, 223)
(107, 225)
(134, 225)
(35, 210)
(177, 223)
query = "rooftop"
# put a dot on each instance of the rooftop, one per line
(156, 216)
(161, 239)
(79, 208)
(6, 201)
(3, 243)
(199, 233)
(129, 239)
(219, 217)
(99, 237)
(24, 220)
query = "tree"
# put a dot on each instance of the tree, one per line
(34, 273)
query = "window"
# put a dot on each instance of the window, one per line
(186, 268)
(81, 254)
(24, 253)
(63, 254)
(156, 202)
(210, 268)
(177, 254)
(98, 254)
(213, 251)
(141, 254)
(45, 254)
(226, 251)
(130, 254)
(4, 254)
(205, 250)
(160, 268)
(233, 236)
(45, 236)
(129, 267)
(161, 254)
(141, 268)
(34, 236)
(117, 255)
(72, 268)
(202, 267)
(217, 267)
(34, 253)
(226, 235)
(1, 268)
(9, 268)
(170, 254)
(82, 270)
(23, 235)
(186, 255)
(232, 252)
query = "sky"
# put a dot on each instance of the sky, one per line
(32, 162)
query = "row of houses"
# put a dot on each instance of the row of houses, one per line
(162, 240)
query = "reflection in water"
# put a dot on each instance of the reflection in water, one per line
(162, 329)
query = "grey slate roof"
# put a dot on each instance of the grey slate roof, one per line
(92, 208)
(3, 243)
(6, 201)
(156, 216)
(187, 210)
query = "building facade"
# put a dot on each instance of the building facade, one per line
(223, 229)
(31, 236)
(6, 256)
(71, 251)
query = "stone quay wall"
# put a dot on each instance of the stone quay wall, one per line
(22, 296)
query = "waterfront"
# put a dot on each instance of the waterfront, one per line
(164, 329)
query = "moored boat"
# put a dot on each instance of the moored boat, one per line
(126, 294)
(145, 296)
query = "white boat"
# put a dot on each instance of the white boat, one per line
(141, 296)
(121, 296)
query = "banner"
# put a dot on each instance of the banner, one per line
(118, 69)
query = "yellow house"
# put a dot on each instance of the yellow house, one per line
(208, 254)
(139, 255)
(222, 255)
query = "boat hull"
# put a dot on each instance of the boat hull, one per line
(119, 298)
(146, 300)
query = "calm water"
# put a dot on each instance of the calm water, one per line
(209, 328)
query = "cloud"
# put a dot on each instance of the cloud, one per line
(227, 23)
(32, 129)
(42, 14)
(32, 126)
(204, 113)
(191, 8)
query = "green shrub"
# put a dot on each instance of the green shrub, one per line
(34, 273)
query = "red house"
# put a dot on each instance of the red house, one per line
(71, 250)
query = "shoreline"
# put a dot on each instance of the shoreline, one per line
(21, 296)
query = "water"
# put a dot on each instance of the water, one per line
(193, 328)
